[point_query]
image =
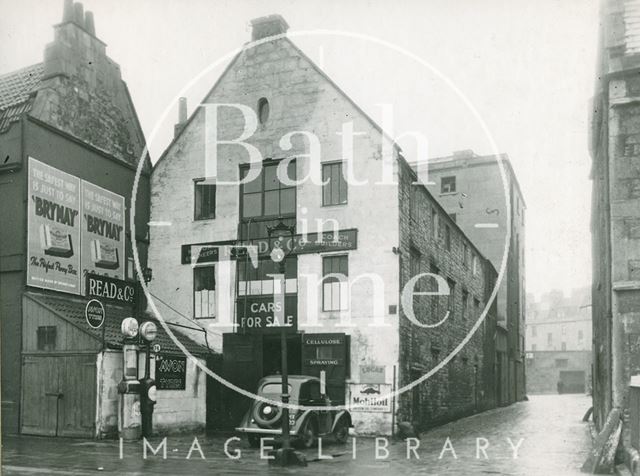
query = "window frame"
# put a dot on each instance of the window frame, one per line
(465, 303)
(196, 217)
(46, 338)
(215, 302)
(451, 302)
(465, 254)
(447, 237)
(435, 223)
(346, 282)
(290, 274)
(263, 167)
(329, 165)
(449, 190)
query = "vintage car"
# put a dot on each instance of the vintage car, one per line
(265, 419)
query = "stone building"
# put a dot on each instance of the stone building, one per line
(471, 189)
(354, 248)
(558, 342)
(615, 227)
(70, 143)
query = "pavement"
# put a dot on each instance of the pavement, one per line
(544, 436)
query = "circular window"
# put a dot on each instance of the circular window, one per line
(263, 110)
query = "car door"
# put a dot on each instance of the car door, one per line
(316, 399)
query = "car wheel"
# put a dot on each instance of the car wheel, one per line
(254, 440)
(308, 434)
(341, 431)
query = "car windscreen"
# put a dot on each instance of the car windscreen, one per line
(274, 388)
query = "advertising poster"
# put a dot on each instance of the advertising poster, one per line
(171, 372)
(370, 397)
(103, 232)
(53, 249)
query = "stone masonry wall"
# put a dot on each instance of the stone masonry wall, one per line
(175, 411)
(458, 388)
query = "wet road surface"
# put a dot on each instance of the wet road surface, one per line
(544, 436)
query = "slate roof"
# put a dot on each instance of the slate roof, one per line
(71, 309)
(17, 92)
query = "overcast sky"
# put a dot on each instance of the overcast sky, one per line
(526, 67)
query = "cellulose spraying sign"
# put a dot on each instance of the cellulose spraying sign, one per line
(53, 249)
(102, 232)
(74, 228)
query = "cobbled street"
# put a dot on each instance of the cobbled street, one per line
(556, 442)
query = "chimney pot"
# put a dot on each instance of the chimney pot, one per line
(182, 110)
(67, 12)
(89, 23)
(182, 117)
(270, 25)
(78, 14)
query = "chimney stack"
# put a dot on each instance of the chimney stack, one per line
(67, 13)
(78, 14)
(182, 117)
(89, 23)
(464, 154)
(270, 25)
(75, 46)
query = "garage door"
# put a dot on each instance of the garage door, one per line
(59, 395)
(572, 381)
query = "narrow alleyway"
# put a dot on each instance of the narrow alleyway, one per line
(556, 442)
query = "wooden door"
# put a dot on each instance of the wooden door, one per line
(328, 352)
(59, 395)
(242, 364)
(77, 412)
(40, 396)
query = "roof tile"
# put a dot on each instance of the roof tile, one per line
(71, 309)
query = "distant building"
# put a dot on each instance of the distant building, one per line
(558, 343)
(391, 232)
(471, 189)
(70, 143)
(615, 223)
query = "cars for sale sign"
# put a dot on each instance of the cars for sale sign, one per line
(53, 229)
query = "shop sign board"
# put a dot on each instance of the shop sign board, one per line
(318, 350)
(103, 287)
(370, 397)
(372, 373)
(94, 314)
(342, 240)
(171, 372)
(259, 314)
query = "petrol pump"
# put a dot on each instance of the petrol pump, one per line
(129, 421)
(137, 397)
(148, 333)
